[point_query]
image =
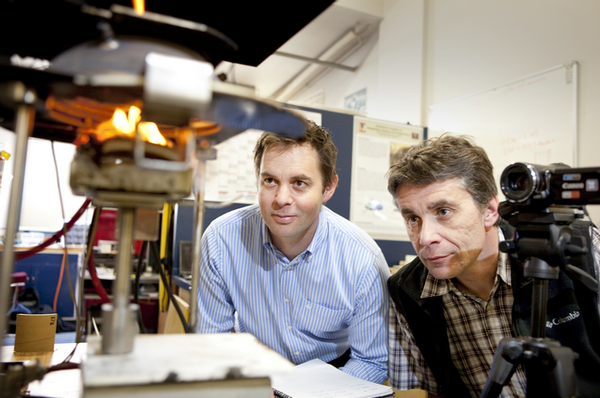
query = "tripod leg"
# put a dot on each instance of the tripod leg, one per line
(505, 363)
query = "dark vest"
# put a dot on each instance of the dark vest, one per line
(572, 313)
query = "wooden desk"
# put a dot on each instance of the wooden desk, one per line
(62, 383)
(407, 394)
(410, 394)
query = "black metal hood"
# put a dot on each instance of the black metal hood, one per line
(45, 28)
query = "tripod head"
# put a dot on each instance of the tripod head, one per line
(546, 234)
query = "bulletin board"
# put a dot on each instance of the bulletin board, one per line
(377, 145)
(532, 119)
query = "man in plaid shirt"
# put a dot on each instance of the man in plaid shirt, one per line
(453, 304)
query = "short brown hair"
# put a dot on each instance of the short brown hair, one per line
(315, 136)
(443, 158)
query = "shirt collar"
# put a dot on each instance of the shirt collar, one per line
(503, 263)
(438, 287)
(265, 236)
(320, 233)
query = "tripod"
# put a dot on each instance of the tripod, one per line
(544, 241)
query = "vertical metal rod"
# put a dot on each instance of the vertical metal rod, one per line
(539, 298)
(199, 186)
(118, 319)
(24, 116)
(121, 288)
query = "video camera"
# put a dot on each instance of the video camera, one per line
(538, 186)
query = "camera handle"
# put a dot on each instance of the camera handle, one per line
(546, 243)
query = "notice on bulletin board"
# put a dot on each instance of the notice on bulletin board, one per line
(231, 177)
(376, 146)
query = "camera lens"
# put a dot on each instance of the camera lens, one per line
(518, 182)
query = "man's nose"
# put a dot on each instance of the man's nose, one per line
(429, 233)
(283, 196)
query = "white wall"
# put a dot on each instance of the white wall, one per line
(430, 51)
(42, 204)
(400, 63)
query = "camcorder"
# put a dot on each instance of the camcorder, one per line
(539, 186)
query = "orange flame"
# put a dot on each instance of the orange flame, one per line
(122, 124)
(139, 6)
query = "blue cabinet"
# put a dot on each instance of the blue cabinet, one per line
(43, 271)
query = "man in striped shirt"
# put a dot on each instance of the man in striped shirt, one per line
(300, 278)
(453, 304)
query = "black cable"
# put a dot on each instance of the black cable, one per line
(163, 277)
(136, 287)
(170, 238)
(138, 271)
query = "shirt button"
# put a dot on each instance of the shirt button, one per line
(290, 326)
(288, 268)
(287, 300)
(297, 353)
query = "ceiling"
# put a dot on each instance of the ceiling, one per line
(337, 22)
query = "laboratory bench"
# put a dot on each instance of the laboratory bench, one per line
(63, 383)
(68, 383)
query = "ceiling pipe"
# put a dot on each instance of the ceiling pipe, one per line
(317, 61)
(339, 51)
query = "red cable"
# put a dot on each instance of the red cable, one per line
(20, 255)
(96, 281)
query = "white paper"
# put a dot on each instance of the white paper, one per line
(317, 379)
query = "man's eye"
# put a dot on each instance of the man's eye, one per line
(300, 184)
(412, 220)
(268, 181)
(444, 212)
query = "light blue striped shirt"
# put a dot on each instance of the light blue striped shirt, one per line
(329, 298)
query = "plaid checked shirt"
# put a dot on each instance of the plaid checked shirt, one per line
(474, 327)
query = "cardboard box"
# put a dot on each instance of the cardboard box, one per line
(35, 332)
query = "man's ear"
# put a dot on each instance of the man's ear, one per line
(330, 189)
(491, 212)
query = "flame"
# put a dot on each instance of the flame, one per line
(92, 118)
(124, 124)
(150, 132)
(139, 6)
